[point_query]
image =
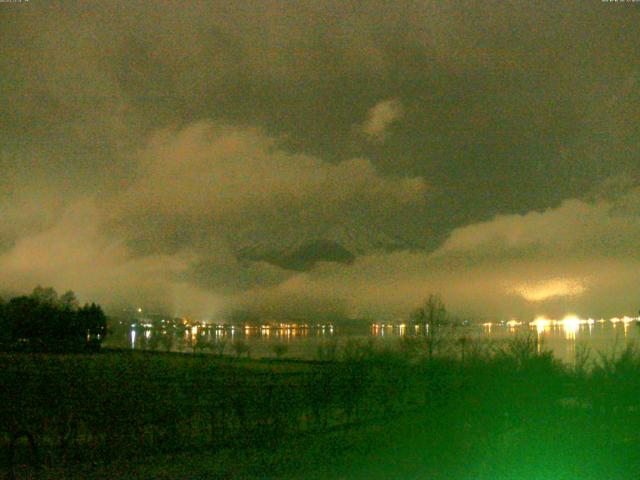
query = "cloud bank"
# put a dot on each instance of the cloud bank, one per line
(513, 265)
(145, 148)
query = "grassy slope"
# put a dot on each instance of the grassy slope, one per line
(510, 417)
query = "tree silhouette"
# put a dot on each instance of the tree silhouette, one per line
(92, 322)
(69, 301)
(432, 315)
(45, 295)
(44, 321)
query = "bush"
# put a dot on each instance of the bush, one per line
(240, 347)
(279, 349)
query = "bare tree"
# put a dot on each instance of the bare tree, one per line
(432, 314)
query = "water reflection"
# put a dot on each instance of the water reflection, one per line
(205, 337)
(541, 324)
(561, 336)
(512, 324)
(570, 325)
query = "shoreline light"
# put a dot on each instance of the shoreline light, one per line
(541, 323)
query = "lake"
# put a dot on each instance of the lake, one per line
(564, 337)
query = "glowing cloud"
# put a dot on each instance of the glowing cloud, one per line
(556, 287)
(380, 117)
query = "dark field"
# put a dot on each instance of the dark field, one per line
(507, 412)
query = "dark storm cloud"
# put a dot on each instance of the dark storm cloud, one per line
(476, 129)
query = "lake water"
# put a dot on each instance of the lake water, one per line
(571, 336)
(564, 337)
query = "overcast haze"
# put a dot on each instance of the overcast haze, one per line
(323, 156)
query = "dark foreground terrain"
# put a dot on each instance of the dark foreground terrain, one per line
(479, 412)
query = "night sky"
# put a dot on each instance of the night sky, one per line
(323, 157)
